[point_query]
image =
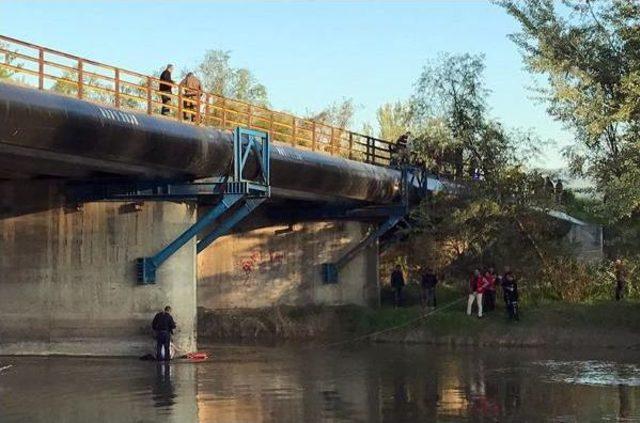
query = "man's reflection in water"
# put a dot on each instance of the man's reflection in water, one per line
(625, 406)
(482, 401)
(512, 397)
(163, 391)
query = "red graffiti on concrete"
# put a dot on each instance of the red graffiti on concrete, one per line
(260, 260)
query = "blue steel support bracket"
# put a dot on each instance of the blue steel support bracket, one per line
(394, 214)
(146, 267)
(330, 270)
(229, 222)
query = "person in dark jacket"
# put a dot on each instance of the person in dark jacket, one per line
(397, 284)
(621, 278)
(163, 326)
(400, 151)
(428, 284)
(166, 88)
(510, 289)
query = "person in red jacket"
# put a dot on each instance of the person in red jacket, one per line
(490, 292)
(477, 285)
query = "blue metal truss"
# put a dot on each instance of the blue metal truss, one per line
(233, 198)
(411, 177)
(238, 199)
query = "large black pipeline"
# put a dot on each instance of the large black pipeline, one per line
(44, 135)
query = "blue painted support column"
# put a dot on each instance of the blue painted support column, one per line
(147, 266)
(229, 222)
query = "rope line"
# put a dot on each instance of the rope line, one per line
(393, 328)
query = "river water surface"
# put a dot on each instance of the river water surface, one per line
(305, 384)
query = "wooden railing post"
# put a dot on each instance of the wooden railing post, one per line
(293, 132)
(332, 142)
(350, 145)
(374, 158)
(207, 102)
(117, 88)
(80, 79)
(198, 100)
(313, 137)
(149, 96)
(40, 68)
(224, 112)
(271, 124)
(179, 115)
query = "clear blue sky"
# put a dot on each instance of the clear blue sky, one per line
(307, 54)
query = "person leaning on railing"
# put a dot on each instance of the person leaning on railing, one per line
(192, 89)
(165, 76)
(401, 150)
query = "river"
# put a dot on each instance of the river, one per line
(369, 383)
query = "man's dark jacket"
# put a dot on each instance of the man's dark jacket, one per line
(429, 280)
(397, 280)
(165, 76)
(163, 322)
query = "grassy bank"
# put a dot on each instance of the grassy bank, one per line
(551, 323)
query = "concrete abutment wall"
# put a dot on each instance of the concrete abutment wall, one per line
(68, 283)
(280, 265)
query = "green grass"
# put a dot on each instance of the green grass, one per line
(606, 323)
(545, 320)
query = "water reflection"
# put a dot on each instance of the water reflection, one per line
(291, 384)
(164, 394)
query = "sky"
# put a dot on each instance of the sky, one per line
(307, 54)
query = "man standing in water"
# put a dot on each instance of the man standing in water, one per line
(163, 326)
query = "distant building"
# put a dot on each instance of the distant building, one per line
(585, 238)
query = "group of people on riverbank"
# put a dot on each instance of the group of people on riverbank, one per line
(483, 286)
(428, 282)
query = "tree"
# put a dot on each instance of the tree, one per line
(10, 59)
(454, 135)
(590, 55)
(394, 119)
(219, 77)
(453, 131)
(339, 114)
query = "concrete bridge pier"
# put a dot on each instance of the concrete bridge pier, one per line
(280, 265)
(68, 283)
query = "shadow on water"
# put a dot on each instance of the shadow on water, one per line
(363, 384)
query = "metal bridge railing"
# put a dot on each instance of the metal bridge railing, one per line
(46, 69)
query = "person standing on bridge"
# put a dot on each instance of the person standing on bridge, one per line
(165, 76)
(192, 90)
(401, 151)
(397, 284)
(163, 326)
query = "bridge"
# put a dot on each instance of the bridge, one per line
(111, 209)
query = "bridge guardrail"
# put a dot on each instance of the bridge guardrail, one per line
(47, 69)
